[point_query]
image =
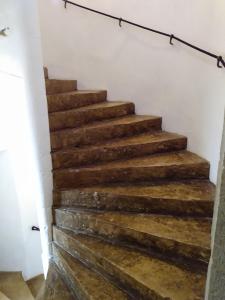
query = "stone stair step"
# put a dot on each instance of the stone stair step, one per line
(54, 287)
(145, 276)
(91, 113)
(54, 86)
(14, 287)
(139, 145)
(46, 73)
(174, 165)
(104, 130)
(75, 99)
(184, 238)
(84, 282)
(185, 198)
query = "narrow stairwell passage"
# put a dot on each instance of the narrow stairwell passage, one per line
(132, 207)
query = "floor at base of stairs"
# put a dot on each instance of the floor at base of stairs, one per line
(13, 286)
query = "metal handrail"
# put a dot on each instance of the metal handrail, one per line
(219, 58)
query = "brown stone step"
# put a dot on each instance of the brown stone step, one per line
(75, 99)
(143, 144)
(146, 276)
(187, 238)
(174, 165)
(84, 282)
(54, 287)
(104, 130)
(188, 198)
(46, 73)
(54, 86)
(84, 115)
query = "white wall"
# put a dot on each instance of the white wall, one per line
(24, 134)
(11, 227)
(184, 87)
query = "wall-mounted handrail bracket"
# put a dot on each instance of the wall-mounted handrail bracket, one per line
(3, 31)
(35, 228)
(220, 60)
(171, 39)
(65, 4)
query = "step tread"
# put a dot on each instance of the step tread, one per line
(14, 287)
(77, 117)
(104, 130)
(145, 138)
(185, 191)
(76, 92)
(155, 160)
(107, 123)
(139, 145)
(75, 99)
(155, 277)
(85, 282)
(96, 106)
(190, 231)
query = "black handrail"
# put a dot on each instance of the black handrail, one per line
(219, 58)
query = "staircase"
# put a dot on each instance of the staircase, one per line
(132, 207)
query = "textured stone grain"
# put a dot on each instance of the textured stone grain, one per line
(147, 277)
(75, 99)
(54, 86)
(91, 113)
(176, 165)
(105, 130)
(85, 283)
(148, 143)
(190, 198)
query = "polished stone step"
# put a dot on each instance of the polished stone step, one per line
(74, 99)
(54, 86)
(173, 236)
(55, 287)
(145, 276)
(90, 113)
(181, 198)
(174, 165)
(139, 145)
(104, 130)
(84, 282)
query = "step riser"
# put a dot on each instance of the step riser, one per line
(94, 135)
(115, 202)
(83, 177)
(60, 86)
(72, 119)
(88, 224)
(64, 102)
(76, 158)
(72, 246)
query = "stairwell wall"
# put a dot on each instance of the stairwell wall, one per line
(25, 162)
(181, 85)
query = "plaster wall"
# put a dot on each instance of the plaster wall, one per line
(181, 85)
